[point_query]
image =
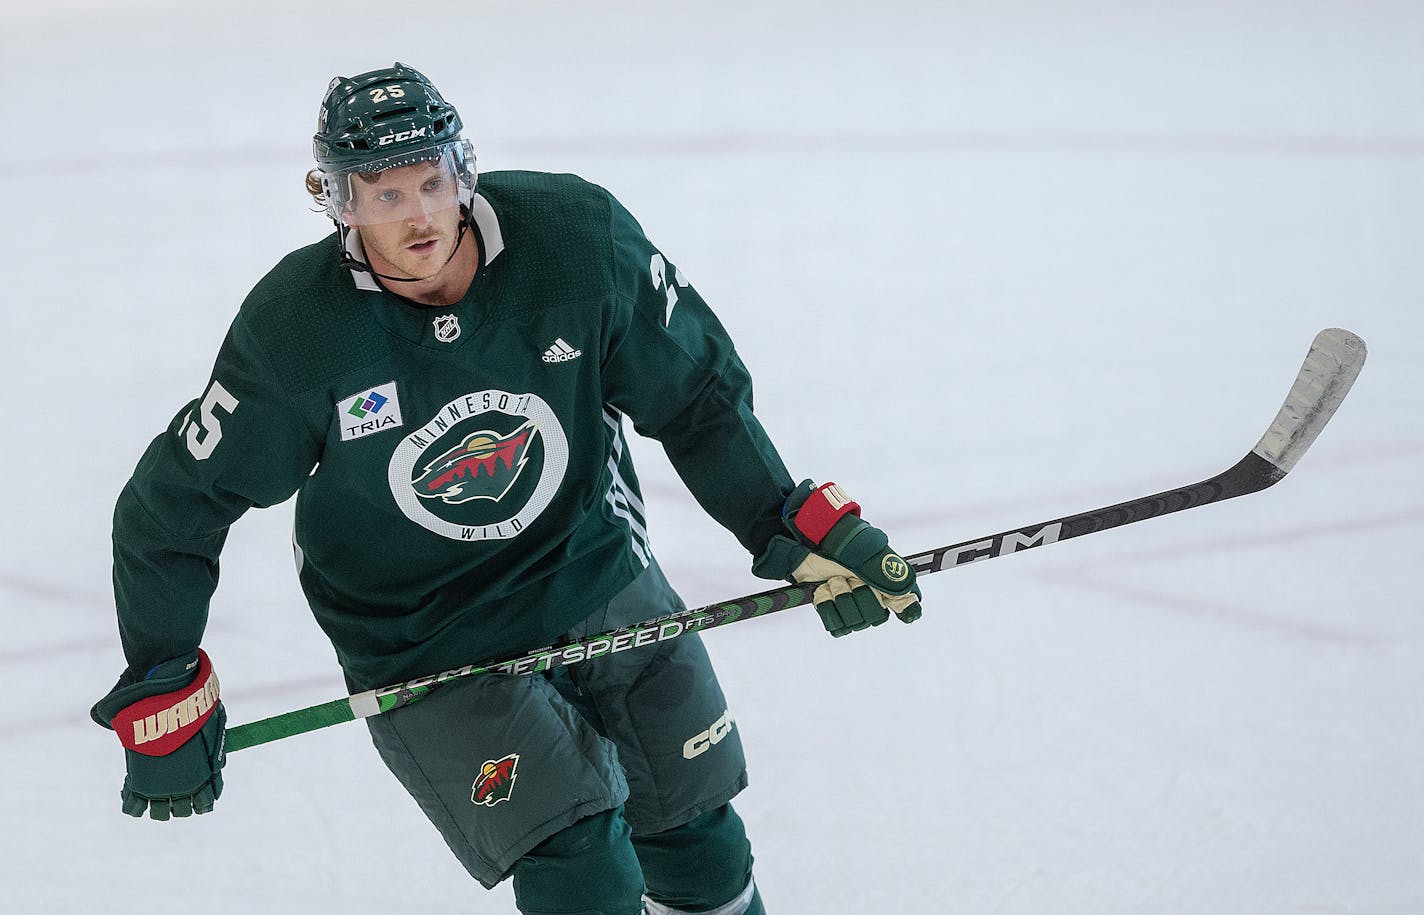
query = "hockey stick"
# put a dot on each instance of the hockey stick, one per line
(1334, 360)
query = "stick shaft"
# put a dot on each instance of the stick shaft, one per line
(1251, 474)
(1334, 360)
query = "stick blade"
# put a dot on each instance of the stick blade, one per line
(1334, 361)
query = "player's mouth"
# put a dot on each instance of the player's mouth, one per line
(423, 247)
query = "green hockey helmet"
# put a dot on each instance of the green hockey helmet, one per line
(385, 119)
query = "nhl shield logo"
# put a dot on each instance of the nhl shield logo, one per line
(496, 781)
(447, 328)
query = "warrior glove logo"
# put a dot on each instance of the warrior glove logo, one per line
(894, 568)
(496, 781)
(483, 466)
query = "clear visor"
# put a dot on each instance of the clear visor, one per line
(410, 188)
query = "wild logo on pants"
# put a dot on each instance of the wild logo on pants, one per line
(496, 781)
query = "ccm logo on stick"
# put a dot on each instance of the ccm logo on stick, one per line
(713, 735)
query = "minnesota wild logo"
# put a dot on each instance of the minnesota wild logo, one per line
(482, 468)
(496, 781)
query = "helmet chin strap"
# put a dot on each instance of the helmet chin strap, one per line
(352, 263)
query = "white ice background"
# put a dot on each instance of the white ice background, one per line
(990, 263)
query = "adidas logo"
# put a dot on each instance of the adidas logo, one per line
(561, 352)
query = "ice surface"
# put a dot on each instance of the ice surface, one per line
(991, 263)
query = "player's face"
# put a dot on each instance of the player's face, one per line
(409, 217)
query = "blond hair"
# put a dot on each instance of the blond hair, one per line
(316, 189)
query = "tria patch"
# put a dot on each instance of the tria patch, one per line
(496, 781)
(369, 411)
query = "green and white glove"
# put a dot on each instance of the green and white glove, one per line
(171, 725)
(860, 580)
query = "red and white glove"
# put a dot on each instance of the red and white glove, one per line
(171, 724)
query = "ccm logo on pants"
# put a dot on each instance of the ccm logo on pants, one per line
(713, 735)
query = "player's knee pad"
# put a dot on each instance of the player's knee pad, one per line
(704, 865)
(588, 868)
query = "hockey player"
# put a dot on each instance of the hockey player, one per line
(443, 383)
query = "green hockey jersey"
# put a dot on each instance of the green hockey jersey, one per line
(463, 489)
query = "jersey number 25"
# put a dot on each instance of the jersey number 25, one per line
(203, 436)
